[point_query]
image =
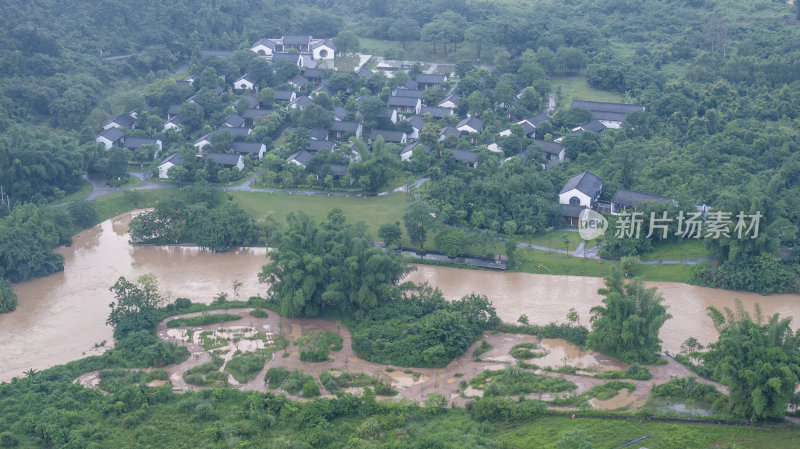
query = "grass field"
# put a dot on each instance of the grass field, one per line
(682, 249)
(576, 87)
(606, 434)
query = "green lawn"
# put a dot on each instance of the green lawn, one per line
(681, 249)
(555, 239)
(606, 434)
(83, 192)
(374, 211)
(117, 203)
(576, 87)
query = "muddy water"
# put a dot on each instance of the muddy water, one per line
(546, 298)
(61, 317)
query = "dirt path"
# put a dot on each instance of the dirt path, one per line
(417, 383)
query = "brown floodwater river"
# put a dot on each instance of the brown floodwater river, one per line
(62, 317)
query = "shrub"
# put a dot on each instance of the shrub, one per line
(275, 377)
(609, 390)
(482, 349)
(183, 303)
(523, 351)
(294, 383)
(202, 320)
(513, 381)
(576, 335)
(310, 389)
(7, 439)
(687, 388)
(259, 313)
(314, 355)
(194, 379)
(635, 372)
(245, 368)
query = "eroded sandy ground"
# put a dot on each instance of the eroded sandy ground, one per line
(414, 385)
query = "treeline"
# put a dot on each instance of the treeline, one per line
(203, 219)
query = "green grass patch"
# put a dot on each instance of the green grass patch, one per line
(555, 240)
(83, 192)
(678, 250)
(576, 88)
(609, 390)
(543, 433)
(114, 204)
(374, 211)
(203, 320)
(199, 374)
(513, 381)
(316, 346)
(635, 372)
(116, 380)
(522, 351)
(336, 384)
(244, 368)
(299, 382)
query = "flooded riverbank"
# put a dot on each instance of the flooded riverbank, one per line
(62, 317)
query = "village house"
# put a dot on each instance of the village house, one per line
(417, 123)
(252, 117)
(408, 151)
(413, 93)
(593, 126)
(465, 157)
(581, 190)
(256, 149)
(166, 164)
(301, 158)
(244, 83)
(111, 137)
(318, 145)
(301, 102)
(340, 113)
(628, 199)
(611, 115)
(234, 121)
(121, 121)
(436, 112)
(227, 160)
(553, 152)
(133, 143)
(341, 129)
(428, 81)
(405, 105)
(450, 101)
(285, 96)
(319, 49)
(388, 136)
(173, 123)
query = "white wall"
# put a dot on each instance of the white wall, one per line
(585, 201)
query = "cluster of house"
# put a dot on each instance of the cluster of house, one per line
(583, 190)
(406, 103)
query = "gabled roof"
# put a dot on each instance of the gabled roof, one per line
(342, 126)
(323, 88)
(302, 101)
(465, 156)
(629, 198)
(430, 78)
(299, 80)
(296, 40)
(265, 42)
(449, 130)
(303, 157)
(283, 95)
(318, 133)
(364, 73)
(537, 119)
(175, 159)
(436, 112)
(234, 120)
(411, 84)
(256, 113)
(136, 142)
(593, 126)
(247, 147)
(411, 146)
(252, 100)
(585, 182)
(237, 131)
(414, 93)
(316, 145)
(527, 128)
(327, 42)
(246, 77)
(403, 101)
(607, 107)
(340, 113)
(452, 96)
(207, 138)
(123, 120)
(388, 135)
(473, 122)
(550, 147)
(226, 160)
(417, 122)
(312, 73)
(286, 57)
(112, 134)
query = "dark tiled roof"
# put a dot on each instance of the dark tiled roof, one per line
(265, 42)
(364, 72)
(411, 146)
(449, 130)
(537, 119)
(312, 73)
(135, 142)
(299, 80)
(607, 107)
(286, 57)
(256, 113)
(302, 157)
(329, 42)
(252, 100)
(247, 147)
(402, 101)
(176, 159)
(472, 122)
(417, 121)
(283, 95)
(593, 126)
(296, 40)
(237, 131)
(527, 128)
(550, 147)
(318, 133)
(585, 182)
(569, 210)
(411, 84)
(348, 127)
(226, 160)
(609, 116)
(388, 136)
(234, 120)
(124, 120)
(465, 156)
(304, 100)
(629, 198)
(112, 134)
(340, 113)
(430, 79)
(414, 93)
(339, 169)
(435, 112)
(316, 145)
